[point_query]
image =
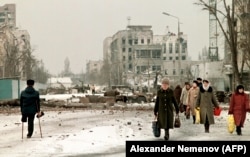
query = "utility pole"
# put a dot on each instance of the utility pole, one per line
(178, 45)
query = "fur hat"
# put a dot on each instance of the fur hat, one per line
(165, 81)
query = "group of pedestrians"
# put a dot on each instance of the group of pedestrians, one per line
(199, 95)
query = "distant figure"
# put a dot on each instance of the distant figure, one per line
(192, 96)
(184, 94)
(93, 89)
(30, 105)
(199, 82)
(177, 93)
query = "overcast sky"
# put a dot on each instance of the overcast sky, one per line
(76, 28)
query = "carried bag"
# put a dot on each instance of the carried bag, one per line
(156, 128)
(217, 111)
(181, 106)
(230, 123)
(177, 121)
(197, 115)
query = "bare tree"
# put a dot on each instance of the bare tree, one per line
(244, 41)
(230, 32)
(40, 74)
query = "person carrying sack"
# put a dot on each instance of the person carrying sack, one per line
(30, 106)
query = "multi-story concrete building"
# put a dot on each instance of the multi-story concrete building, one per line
(15, 43)
(8, 15)
(107, 49)
(137, 53)
(22, 41)
(93, 69)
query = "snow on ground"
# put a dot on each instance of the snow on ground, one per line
(95, 132)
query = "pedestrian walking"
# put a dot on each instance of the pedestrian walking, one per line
(206, 102)
(191, 100)
(164, 108)
(177, 93)
(199, 80)
(183, 98)
(239, 106)
(30, 106)
(93, 89)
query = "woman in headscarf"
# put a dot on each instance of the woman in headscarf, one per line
(239, 105)
(206, 102)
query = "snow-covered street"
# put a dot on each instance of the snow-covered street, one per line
(97, 132)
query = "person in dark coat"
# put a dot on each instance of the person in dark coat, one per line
(239, 105)
(199, 80)
(30, 105)
(164, 108)
(177, 93)
(206, 102)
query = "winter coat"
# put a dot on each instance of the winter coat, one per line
(177, 93)
(207, 101)
(165, 105)
(29, 101)
(184, 93)
(192, 98)
(239, 105)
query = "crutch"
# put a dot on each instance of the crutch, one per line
(39, 122)
(40, 127)
(22, 130)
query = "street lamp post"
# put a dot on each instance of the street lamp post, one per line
(179, 43)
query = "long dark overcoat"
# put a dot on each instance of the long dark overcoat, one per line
(207, 101)
(165, 105)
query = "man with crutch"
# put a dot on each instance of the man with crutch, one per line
(30, 106)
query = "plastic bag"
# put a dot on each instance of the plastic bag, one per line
(230, 123)
(217, 111)
(197, 115)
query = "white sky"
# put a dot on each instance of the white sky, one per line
(76, 28)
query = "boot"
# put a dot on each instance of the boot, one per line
(206, 128)
(193, 119)
(166, 137)
(238, 130)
